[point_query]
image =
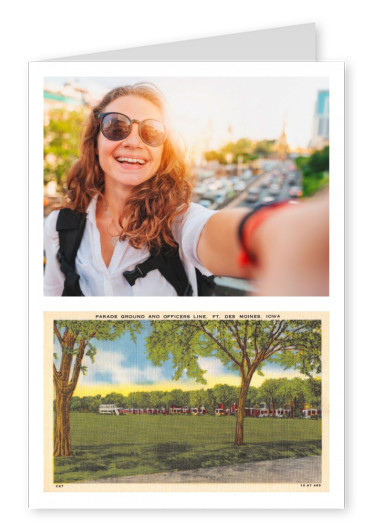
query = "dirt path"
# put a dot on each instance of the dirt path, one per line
(299, 470)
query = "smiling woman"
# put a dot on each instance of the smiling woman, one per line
(131, 191)
(127, 226)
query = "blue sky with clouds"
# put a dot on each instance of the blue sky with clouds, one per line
(123, 366)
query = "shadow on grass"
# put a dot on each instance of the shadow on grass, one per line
(116, 460)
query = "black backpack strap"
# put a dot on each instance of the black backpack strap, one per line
(70, 225)
(168, 262)
(205, 284)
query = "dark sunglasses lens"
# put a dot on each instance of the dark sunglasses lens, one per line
(115, 126)
(153, 132)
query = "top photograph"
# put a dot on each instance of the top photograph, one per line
(186, 186)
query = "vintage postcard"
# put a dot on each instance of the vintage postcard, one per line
(198, 402)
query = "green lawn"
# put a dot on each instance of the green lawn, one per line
(113, 446)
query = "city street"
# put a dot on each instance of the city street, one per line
(278, 181)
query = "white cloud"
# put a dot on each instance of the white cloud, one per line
(110, 362)
(213, 366)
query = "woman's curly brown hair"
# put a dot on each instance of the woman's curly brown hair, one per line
(152, 206)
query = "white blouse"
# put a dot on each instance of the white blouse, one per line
(96, 279)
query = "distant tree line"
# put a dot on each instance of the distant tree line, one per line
(275, 393)
(245, 148)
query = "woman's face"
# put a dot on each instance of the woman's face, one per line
(129, 162)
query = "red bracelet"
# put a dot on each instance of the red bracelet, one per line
(248, 227)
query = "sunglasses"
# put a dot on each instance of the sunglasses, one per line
(117, 126)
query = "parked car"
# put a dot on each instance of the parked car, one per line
(239, 186)
(205, 203)
(220, 198)
(252, 196)
(247, 173)
(274, 189)
(268, 199)
(295, 191)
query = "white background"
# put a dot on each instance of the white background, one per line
(41, 30)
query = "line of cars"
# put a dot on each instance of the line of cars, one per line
(279, 184)
(263, 412)
(252, 412)
(113, 409)
(280, 181)
(215, 192)
(221, 411)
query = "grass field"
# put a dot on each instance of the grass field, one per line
(113, 446)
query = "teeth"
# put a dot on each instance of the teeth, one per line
(127, 159)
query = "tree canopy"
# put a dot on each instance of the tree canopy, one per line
(244, 148)
(237, 344)
(244, 346)
(315, 171)
(61, 143)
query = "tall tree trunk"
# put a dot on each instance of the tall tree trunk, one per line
(62, 441)
(64, 387)
(240, 413)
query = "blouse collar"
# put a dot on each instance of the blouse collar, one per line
(92, 209)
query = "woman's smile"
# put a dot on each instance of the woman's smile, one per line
(130, 160)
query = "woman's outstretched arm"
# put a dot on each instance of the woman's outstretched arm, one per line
(218, 247)
(291, 248)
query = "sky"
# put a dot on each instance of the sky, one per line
(203, 109)
(122, 366)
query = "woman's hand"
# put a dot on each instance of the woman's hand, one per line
(292, 250)
(291, 247)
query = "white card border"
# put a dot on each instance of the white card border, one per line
(334, 304)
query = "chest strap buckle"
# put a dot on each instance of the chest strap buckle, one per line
(132, 276)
